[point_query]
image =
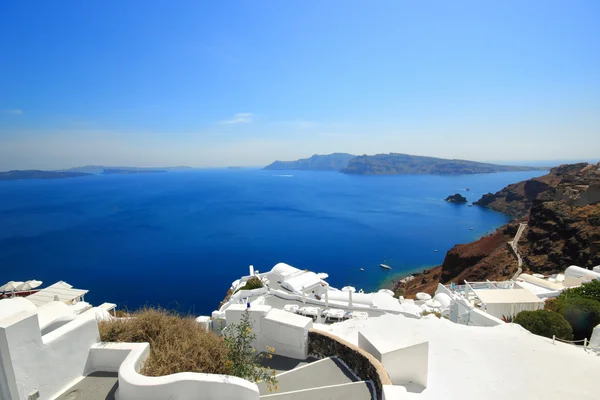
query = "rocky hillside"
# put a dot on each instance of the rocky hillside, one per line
(329, 162)
(398, 164)
(562, 210)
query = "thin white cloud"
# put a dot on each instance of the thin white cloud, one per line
(239, 118)
(340, 135)
(14, 111)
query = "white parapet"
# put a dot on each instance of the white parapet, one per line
(182, 386)
(204, 322)
(45, 364)
(287, 333)
(405, 361)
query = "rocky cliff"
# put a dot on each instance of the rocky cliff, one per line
(562, 212)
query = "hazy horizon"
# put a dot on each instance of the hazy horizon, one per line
(247, 83)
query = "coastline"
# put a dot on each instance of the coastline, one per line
(391, 281)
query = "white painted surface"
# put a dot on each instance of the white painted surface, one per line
(64, 292)
(393, 392)
(15, 305)
(287, 333)
(284, 331)
(480, 318)
(204, 322)
(595, 339)
(577, 272)
(405, 359)
(182, 386)
(468, 362)
(48, 363)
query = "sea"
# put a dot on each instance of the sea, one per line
(179, 239)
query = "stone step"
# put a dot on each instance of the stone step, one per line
(325, 372)
(360, 390)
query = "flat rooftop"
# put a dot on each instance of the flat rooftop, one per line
(494, 363)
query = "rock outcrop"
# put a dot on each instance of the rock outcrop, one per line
(456, 198)
(562, 211)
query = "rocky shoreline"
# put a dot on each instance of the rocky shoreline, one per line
(562, 210)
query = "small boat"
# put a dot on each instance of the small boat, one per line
(467, 189)
(470, 229)
(436, 250)
(362, 269)
(470, 205)
(385, 266)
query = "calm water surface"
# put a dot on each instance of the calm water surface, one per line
(179, 239)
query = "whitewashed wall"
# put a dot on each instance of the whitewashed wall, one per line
(286, 332)
(128, 358)
(50, 363)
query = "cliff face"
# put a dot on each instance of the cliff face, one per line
(560, 235)
(397, 163)
(562, 212)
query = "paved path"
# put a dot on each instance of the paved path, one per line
(328, 378)
(515, 246)
(96, 386)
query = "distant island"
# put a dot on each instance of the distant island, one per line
(113, 171)
(456, 198)
(400, 164)
(393, 164)
(99, 169)
(37, 174)
(329, 162)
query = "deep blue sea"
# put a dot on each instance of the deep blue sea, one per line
(179, 239)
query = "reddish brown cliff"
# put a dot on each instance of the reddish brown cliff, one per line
(562, 210)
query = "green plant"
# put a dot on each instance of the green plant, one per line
(239, 339)
(545, 323)
(177, 344)
(252, 283)
(582, 313)
(398, 292)
(588, 290)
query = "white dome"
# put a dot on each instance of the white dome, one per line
(423, 296)
(284, 269)
(443, 299)
(409, 308)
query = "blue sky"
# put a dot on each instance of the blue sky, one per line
(217, 83)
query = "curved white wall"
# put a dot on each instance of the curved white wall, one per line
(182, 386)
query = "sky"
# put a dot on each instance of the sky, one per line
(218, 83)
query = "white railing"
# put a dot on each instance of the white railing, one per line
(585, 342)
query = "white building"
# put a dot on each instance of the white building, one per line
(369, 345)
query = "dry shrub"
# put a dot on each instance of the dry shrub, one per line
(176, 343)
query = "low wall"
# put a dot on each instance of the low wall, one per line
(287, 333)
(364, 365)
(480, 318)
(48, 364)
(182, 386)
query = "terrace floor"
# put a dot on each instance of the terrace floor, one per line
(95, 386)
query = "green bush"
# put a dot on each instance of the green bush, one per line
(252, 283)
(583, 314)
(589, 290)
(545, 323)
(398, 292)
(239, 339)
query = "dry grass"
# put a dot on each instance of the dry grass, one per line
(176, 343)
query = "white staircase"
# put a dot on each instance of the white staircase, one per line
(326, 379)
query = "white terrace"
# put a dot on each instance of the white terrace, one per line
(382, 349)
